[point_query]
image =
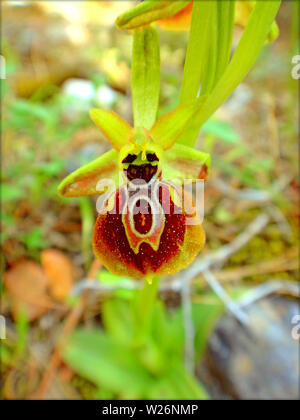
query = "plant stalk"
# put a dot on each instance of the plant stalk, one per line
(143, 309)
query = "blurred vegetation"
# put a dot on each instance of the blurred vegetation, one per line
(62, 59)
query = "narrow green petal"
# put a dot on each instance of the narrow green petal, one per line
(145, 76)
(84, 180)
(149, 11)
(115, 129)
(171, 125)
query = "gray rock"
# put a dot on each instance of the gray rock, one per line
(259, 362)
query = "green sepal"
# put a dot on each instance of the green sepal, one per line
(172, 125)
(185, 163)
(145, 76)
(149, 11)
(115, 129)
(84, 180)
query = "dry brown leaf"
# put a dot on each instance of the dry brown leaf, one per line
(58, 268)
(27, 284)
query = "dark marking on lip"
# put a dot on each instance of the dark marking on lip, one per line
(129, 158)
(145, 172)
(151, 157)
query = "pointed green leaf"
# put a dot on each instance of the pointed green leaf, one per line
(84, 180)
(210, 61)
(225, 14)
(246, 53)
(117, 320)
(115, 129)
(145, 76)
(187, 385)
(149, 11)
(196, 50)
(219, 43)
(177, 384)
(107, 363)
(211, 313)
(171, 125)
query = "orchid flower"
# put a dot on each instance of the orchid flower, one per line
(148, 224)
(142, 227)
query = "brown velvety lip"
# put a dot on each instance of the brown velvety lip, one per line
(145, 172)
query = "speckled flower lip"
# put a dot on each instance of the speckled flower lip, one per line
(139, 243)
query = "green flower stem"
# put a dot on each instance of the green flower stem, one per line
(145, 76)
(143, 307)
